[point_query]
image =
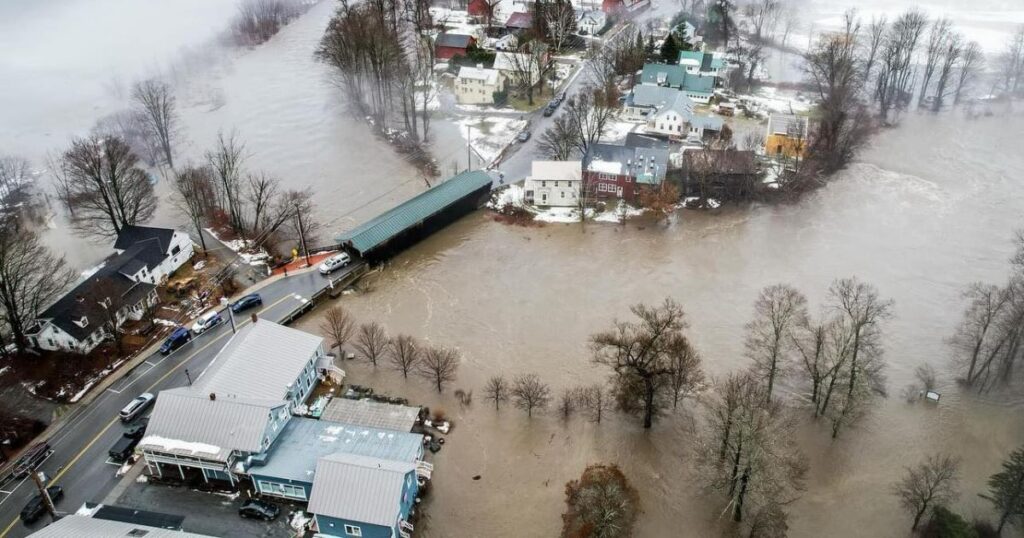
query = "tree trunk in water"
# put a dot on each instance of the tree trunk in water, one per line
(648, 403)
(917, 516)
(737, 514)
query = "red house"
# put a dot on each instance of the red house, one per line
(448, 45)
(624, 6)
(477, 8)
(612, 171)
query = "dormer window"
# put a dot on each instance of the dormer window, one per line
(82, 322)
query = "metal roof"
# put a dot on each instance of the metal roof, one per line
(304, 440)
(787, 124)
(389, 224)
(188, 423)
(372, 414)
(676, 77)
(76, 526)
(359, 488)
(459, 41)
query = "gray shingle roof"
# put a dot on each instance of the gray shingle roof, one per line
(391, 223)
(359, 488)
(458, 41)
(304, 441)
(83, 299)
(75, 526)
(131, 235)
(371, 413)
(662, 98)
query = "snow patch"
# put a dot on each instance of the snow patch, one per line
(177, 444)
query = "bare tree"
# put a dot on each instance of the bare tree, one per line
(978, 338)
(972, 60)
(496, 390)
(894, 81)
(778, 310)
(259, 20)
(937, 36)
(529, 65)
(102, 187)
(371, 342)
(588, 113)
(15, 177)
(763, 16)
(931, 483)
(558, 142)
(747, 448)
(560, 19)
(226, 162)
(157, 108)
(641, 356)
(194, 197)
(686, 373)
(790, 21)
(568, 401)
(876, 32)
(861, 312)
(951, 51)
(529, 393)
(490, 10)
(596, 401)
(130, 125)
(404, 353)
(1011, 63)
(439, 365)
(31, 277)
(339, 325)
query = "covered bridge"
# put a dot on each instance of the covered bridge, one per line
(427, 212)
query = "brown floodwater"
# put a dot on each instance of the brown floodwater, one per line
(930, 207)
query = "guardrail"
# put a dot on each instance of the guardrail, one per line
(352, 275)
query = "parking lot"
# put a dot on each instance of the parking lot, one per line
(205, 513)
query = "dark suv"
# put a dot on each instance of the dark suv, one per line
(36, 507)
(254, 508)
(178, 338)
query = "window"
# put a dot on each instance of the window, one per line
(543, 183)
(352, 530)
(175, 250)
(563, 194)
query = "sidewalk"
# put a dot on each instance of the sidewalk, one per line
(299, 263)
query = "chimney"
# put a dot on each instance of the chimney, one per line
(254, 318)
(213, 396)
(479, 66)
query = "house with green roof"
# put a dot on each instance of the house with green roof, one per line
(701, 63)
(698, 87)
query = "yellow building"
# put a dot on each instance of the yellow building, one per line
(786, 136)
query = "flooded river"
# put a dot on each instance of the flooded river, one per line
(931, 207)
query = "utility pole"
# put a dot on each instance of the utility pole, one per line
(38, 477)
(302, 234)
(469, 149)
(231, 315)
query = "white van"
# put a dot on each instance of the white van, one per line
(207, 320)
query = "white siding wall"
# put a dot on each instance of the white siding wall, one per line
(470, 91)
(561, 193)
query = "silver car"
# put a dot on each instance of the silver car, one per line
(137, 406)
(334, 263)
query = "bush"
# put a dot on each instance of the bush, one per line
(947, 524)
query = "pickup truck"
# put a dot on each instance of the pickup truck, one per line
(122, 449)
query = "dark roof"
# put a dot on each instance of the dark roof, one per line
(458, 41)
(724, 161)
(640, 140)
(138, 517)
(387, 225)
(132, 235)
(520, 20)
(83, 299)
(636, 161)
(147, 253)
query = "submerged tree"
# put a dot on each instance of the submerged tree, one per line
(931, 483)
(778, 309)
(530, 393)
(601, 504)
(102, 187)
(157, 108)
(643, 356)
(404, 352)
(194, 197)
(339, 326)
(439, 365)
(496, 390)
(371, 342)
(31, 277)
(747, 449)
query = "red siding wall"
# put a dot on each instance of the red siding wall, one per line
(607, 185)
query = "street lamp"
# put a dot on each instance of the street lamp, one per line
(231, 313)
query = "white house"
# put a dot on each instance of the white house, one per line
(156, 252)
(512, 64)
(591, 22)
(554, 183)
(476, 85)
(667, 111)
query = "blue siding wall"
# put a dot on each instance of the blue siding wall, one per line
(331, 526)
(307, 487)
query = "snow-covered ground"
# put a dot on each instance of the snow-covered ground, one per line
(489, 135)
(244, 248)
(616, 131)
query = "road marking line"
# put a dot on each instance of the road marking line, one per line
(149, 363)
(91, 442)
(114, 391)
(114, 463)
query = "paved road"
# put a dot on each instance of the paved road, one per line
(79, 462)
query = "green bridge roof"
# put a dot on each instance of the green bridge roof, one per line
(392, 222)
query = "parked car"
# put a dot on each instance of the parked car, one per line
(549, 110)
(248, 301)
(207, 321)
(255, 508)
(123, 448)
(177, 338)
(334, 263)
(523, 136)
(137, 406)
(31, 459)
(138, 430)
(36, 507)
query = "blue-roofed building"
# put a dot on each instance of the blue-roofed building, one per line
(698, 87)
(407, 223)
(288, 470)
